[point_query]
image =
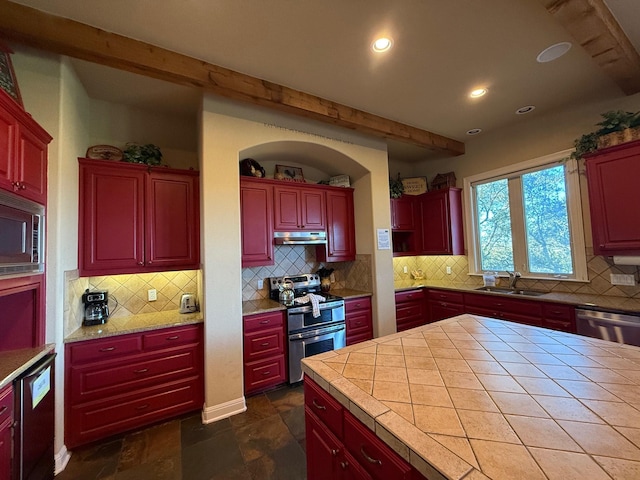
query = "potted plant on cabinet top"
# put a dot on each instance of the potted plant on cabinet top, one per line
(617, 126)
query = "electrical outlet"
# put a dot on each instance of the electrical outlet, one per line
(406, 270)
(621, 279)
(448, 270)
(152, 295)
(260, 284)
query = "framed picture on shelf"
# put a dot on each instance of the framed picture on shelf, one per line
(8, 81)
(414, 185)
(289, 174)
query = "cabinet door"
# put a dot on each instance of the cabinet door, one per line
(287, 215)
(256, 217)
(7, 149)
(22, 307)
(111, 219)
(5, 449)
(441, 222)
(403, 214)
(312, 209)
(172, 221)
(358, 320)
(31, 166)
(324, 450)
(612, 179)
(341, 238)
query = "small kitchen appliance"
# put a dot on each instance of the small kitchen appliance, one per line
(188, 303)
(96, 310)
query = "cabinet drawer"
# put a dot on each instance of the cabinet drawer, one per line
(262, 321)
(375, 456)
(104, 349)
(171, 337)
(558, 311)
(409, 311)
(500, 303)
(264, 373)
(359, 322)
(325, 407)
(409, 295)
(263, 343)
(95, 420)
(6, 404)
(446, 296)
(97, 381)
(357, 304)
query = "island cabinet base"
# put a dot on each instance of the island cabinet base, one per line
(119, 383)
(340, 447)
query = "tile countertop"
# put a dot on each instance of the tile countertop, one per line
(135, 323)
(14, 363)
(577, 299)
(474, 398)
(266, 305)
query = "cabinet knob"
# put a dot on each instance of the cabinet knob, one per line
(140, 263)
(23, 186)
(344, 465)
(335, 452)
(149, 262)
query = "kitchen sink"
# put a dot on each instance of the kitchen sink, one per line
(508, 291)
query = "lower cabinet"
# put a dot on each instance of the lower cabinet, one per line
(6, 421)
(358, 319)
(119, 383)
(444, 304)
(410, 309)
(340, 447)
(559, 316)
(265, 360)
(498, 306)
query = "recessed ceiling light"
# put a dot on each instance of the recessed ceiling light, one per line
(554, 51)
(382, 44)
(474, 131)
(527, 109)
(478, 92)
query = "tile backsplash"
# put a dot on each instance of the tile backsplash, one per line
(598, 268)
(294, 259)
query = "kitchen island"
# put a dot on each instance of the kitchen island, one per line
(472, 397)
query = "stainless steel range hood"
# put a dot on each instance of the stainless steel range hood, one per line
(300, 238)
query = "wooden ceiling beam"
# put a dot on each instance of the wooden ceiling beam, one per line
(67, 37)
(594, 27)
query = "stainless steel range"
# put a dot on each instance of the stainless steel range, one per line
(310, 333)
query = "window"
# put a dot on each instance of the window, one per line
(527, 217)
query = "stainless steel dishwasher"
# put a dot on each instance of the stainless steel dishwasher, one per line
(614, 326)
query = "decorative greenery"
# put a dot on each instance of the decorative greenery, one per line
(396, 188)
(148, 154)
(614, 121)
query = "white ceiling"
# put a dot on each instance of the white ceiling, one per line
(442, 50)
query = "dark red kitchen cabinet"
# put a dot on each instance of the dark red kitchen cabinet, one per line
(256, 217)
(137, 220)
(6, 424)
(22, 303)
(299, 208)
(444, 304)
(23, 152)
(341, 236)
(403, 213)
(612, 176)
(358, 319)
(410, 309)
(264, 351)
(119, 383)
(440, 213)
(324, 450)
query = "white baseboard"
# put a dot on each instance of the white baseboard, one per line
(223, 410)
(62, 458)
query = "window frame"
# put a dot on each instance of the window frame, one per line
(574, 207)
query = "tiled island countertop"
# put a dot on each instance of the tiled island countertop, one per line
(474, 398)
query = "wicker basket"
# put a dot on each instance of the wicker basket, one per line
(616, 138)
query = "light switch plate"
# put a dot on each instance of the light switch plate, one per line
(260, 284)
(448, 270)
(622, 279)
(152, 295)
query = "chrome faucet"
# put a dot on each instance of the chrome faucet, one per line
(513, 279)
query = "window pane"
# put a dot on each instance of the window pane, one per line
(494, 225)
(547, 221)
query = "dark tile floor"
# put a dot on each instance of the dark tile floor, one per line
(264, 443)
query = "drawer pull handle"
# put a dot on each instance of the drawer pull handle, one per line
(3, 409)
(175, 337)
(368, 458)
(266, 373)
(358, 323)
(142, 370)
(142, 407)
(318, 406)
(108, 349)
(264, 322)
(265, 344)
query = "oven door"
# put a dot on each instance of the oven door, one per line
(310, 342)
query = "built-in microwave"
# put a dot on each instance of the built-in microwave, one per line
(21, 235)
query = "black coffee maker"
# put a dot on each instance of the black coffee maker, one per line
(96, 310)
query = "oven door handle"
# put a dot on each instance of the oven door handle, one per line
(316, 333)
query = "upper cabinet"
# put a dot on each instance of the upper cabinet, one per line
(23, 152)
(256, 217)
(137, 219)
(428, 224)
(341, 235)
(441, 222)
(299, 208)
(612, 176)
